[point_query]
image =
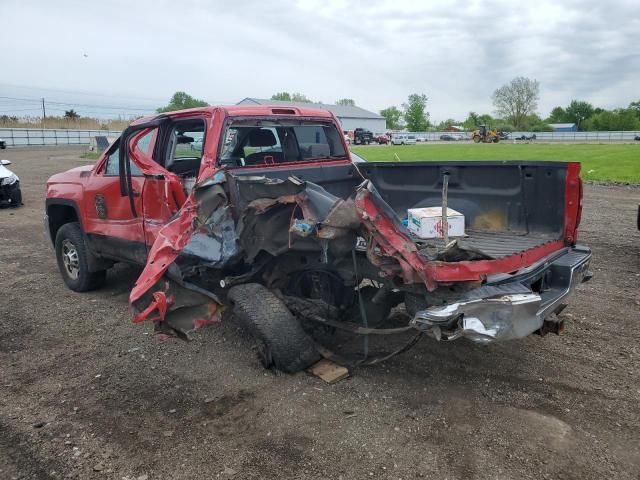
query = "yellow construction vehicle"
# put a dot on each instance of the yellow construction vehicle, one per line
(484, 135)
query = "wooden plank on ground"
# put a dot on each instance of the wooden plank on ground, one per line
(329, 371)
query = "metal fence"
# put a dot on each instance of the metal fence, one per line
(618, 136)
(23, 137)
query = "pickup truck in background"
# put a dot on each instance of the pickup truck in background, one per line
(261, 212)
(362, 136)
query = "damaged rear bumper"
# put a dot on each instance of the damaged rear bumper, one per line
(508, 308)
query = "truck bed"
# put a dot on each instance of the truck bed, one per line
(509, 207)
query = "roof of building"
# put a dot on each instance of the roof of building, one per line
(340, 111)
(562, 125)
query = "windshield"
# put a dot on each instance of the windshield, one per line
(268, 141)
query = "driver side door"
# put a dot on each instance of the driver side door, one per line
(111, 227)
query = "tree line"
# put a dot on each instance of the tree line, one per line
(515, 106)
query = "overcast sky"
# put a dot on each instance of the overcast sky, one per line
(134, 54)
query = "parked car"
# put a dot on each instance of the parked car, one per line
(526, 138)
(382, 139)
(279, 225)
(403, 139)
(3, 144)
(637, 138)
(451, 137)
(10, 193)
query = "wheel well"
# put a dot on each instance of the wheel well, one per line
(58, 216)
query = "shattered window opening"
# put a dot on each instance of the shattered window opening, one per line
(267, 142)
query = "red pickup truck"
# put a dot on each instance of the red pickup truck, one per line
(262, 212)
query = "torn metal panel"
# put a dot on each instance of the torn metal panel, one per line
(268, 215)
(390, 236)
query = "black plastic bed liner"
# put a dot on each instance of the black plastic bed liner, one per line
(484, 245)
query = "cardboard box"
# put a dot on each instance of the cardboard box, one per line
(427, 222)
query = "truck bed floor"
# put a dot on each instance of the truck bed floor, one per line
(496, 244)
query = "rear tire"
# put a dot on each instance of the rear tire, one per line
(72, 257)
(282, 342)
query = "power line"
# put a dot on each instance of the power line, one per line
(21, 110)
(70, 104)
(81, 92)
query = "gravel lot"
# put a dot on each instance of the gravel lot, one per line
(86, 394)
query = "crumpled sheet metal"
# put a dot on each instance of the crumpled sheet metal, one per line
(205, 234)
(484, 320)
(151, 298)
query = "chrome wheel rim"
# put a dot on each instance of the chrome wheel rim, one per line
(70, 259)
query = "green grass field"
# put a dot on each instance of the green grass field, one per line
(601, 162)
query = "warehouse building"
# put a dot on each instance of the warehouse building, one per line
(564, 127)
(350, 117)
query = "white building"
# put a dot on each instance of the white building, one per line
(350, 117)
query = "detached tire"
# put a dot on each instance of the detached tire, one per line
(72, 257)
(282, 343)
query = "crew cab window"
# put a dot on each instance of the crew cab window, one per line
(113, 162)
(113, 165)
(268, 141)
(184, 148)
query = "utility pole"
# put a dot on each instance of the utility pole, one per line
(44, 111)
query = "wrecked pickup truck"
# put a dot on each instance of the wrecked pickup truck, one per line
(261, 212)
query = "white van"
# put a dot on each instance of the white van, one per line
(403, 139)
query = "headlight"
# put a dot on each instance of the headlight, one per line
(10, 180)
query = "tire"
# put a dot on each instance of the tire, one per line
(414, 303)
(282, 342)
(476, 139)
(16, 197)
(72, 258)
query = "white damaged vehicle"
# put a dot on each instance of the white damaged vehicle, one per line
(10, 194)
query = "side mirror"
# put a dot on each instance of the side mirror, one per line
(5, 162)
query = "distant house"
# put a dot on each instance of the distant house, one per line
(350, 117)
(454, 128)
(564, 127)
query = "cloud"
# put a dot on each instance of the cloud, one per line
(375, 52)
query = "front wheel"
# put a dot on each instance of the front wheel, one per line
(16, 196)
(73, 262)
(476, 139)
(282, 342)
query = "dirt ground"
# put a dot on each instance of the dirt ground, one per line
(86, 394)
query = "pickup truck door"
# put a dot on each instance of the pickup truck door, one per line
(112, 228)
